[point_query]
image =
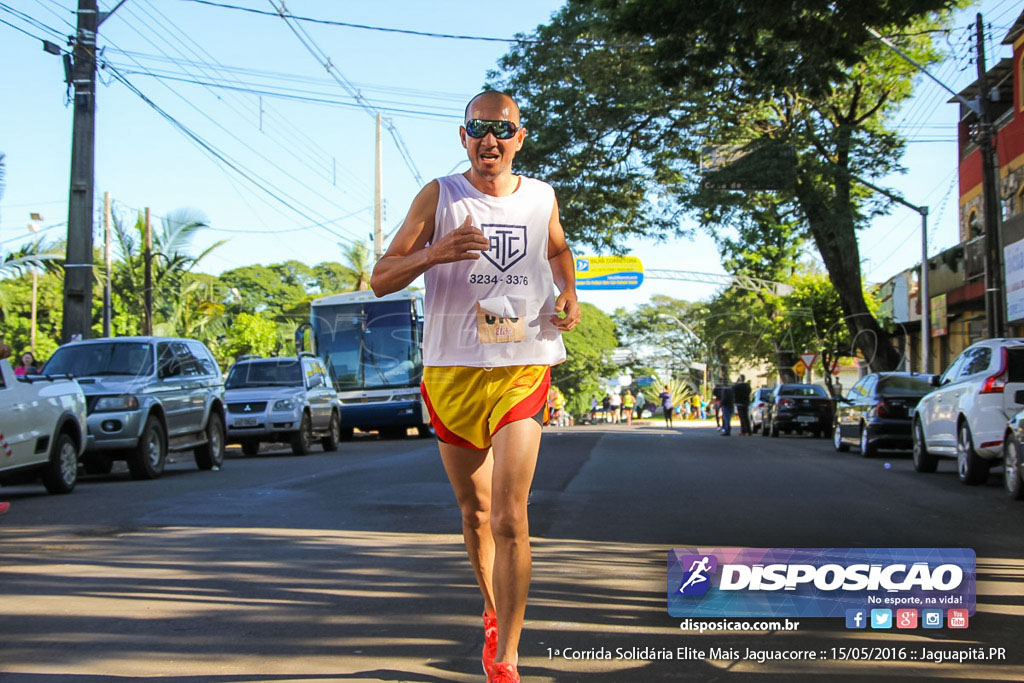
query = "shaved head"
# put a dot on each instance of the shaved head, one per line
(492, 101)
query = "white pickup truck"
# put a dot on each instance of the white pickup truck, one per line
(42, 429)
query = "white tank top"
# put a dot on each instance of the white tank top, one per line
(516, 266)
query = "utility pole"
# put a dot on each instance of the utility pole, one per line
(107, 263)
(995, 312)
(378, 236)
(148, 278)
(78, 261)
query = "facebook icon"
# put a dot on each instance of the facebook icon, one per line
(856, 618)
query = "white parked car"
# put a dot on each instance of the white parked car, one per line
(966, 416)
(42, 429)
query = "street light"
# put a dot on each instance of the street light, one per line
(33, 227)
(707, 358)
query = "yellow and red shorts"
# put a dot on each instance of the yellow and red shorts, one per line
(469, 405)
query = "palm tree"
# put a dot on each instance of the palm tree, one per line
(172, 260)
(357, 265)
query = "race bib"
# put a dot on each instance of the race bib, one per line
(495, 329)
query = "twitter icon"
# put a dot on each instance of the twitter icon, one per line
(881, 618)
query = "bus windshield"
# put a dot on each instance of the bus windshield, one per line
(370, 345)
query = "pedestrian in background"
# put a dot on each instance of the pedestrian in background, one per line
(716, 402)
(27, 365)
(666, 405)
(741, 395)
(641, 403)
(616, 403)
(728, 407)
(628, 401)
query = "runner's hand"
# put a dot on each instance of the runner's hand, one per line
(566, 304)
(463, 243)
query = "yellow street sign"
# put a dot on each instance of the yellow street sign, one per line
(800, 368)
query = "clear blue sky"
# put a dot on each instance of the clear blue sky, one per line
(318, 158)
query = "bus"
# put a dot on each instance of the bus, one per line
(373, 348)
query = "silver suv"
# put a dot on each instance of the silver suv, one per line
(146, 396)
(289, 399)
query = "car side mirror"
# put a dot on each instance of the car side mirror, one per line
(1018, 396)
(316, 382)
(936, 381)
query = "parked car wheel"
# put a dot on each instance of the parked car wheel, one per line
(867, 449)
(97, 463)
(333, 438)
(923, 460)
(211, 454)
(251, 447)
(1011, 468)
(61, 472)
(837, 440)
(150, 455)
(970, 468)
(775, 429)
(426, 431)
(302, 440)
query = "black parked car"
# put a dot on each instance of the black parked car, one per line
(799, 408)
(878, 412)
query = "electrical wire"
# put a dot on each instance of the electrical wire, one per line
(231, 133)
(426, 34)
(223, 158)
(289, 131)
(314, 49)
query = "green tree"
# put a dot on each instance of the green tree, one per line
(172, 264)
(588, 349)
(250, 333)
(622, 96)
(665, 334)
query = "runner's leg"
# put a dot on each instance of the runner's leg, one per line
(470, 471)
(515, 458)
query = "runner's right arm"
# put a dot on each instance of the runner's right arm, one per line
(409, 255)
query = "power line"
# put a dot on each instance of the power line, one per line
(426, 34)
(203, 143)
(231, 133)
(318, 54)
(284, 94)
(288, 131)
(220, 156)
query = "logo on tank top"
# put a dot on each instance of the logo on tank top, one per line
(508, 244)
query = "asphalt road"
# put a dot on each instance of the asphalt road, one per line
(349, 566)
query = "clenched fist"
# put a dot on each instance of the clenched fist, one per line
(463, 243)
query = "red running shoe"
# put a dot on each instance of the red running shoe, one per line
(503, 672)
(4, 507)
(490, 641)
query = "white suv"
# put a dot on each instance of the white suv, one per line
(966, 416)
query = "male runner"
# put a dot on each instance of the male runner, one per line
(491, 248)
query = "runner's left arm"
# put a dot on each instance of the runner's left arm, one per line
(563, 270)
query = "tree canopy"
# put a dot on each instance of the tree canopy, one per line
(623, 98)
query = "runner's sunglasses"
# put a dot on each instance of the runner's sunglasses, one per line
(478, 128)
